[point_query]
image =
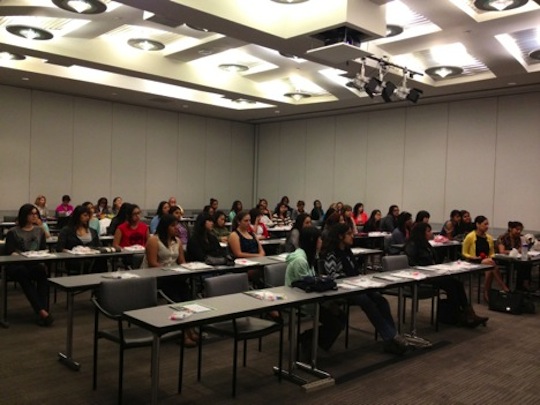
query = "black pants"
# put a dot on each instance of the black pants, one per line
(455, 291)
(33, 280)
(332, 322)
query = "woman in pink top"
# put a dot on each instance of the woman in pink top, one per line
(64, 209)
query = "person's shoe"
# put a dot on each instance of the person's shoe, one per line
(188, 342)
(398, 345)
(45, 322)
(417, 342)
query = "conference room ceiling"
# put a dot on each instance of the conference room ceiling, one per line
(261, 60)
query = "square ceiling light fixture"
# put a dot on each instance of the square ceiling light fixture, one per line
(499, 5)
(81, 6)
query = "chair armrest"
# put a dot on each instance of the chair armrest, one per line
(166, 297)
(104, 311)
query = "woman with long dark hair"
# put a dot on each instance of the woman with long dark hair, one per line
(340, 262)
(32, 277)
(421, 253)
(293, 241)
(478, 247)
(373, 224)
(203, 242)
(164, 249)
(511, 239)
(163, 208)
(301, 263)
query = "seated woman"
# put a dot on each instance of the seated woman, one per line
(257, 226)
(373, 224)
(293, 241)
(339, 262)
(389, 222)
(400, 234)
(512, 240)
(163, 208)
(120, 218)
(235, 209)
(466, 226)
(244, 244)
(182, 232)
(300, 264)
(220, 231)
(102, 208)
(32, 277)
(164, 249)
(38, 221)
(133, 232)
(359, 215)
(65, 208)
(281, 216)
(422, 216)
(203, 242)
(421, 253)
(451, 227)
(317, 213)
(41, 204)
(116, 204)
(478, 247)
(300, 209)
(348, 217)
(79, 233)
(94, 220)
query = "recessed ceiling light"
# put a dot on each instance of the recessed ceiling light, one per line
(233, 67)
(146, 44)
(498, 5)
(243, 101)
(444, 71)
(289, 1)
(205, 52)
(535, 54)
(81, 6)
(25, 79)
(11, 56)
(393, 30)
(297, 95)
(194, 27)
(28, 32)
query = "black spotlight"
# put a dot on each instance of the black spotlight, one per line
(414, 95)
(373, 87)
(388, 91)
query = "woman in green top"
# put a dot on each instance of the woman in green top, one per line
(300, 264)
(220, 230)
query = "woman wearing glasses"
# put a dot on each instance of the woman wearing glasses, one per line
(32, 277)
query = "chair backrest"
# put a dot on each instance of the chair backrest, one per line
(226, 284)
(274, 274)
(118, 296)
(395, 262)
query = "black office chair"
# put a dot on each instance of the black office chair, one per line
(240, 329)
(112, 299)
(425, 291)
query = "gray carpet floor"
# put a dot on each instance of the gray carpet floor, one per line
(497, 364)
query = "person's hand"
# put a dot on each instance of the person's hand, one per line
(482, 256)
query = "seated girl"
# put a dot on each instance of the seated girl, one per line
(257, 226)
(301, 263)
(478, 246)
(339, 262)
(421, 253)
(512, 240)
(164, 249)
(163, 208)
(281, 216)
(220, 230)
(32, 277)
(203, 242)
(182, 231)
(293, 241)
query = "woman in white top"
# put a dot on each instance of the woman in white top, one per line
(165, 249)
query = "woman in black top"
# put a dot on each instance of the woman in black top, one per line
(203, 242)
(373, 224)
(421, 253)
(78, 233)
(32, 277)
(120, 218)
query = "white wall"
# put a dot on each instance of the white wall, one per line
(54, 144)
(481, 155)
